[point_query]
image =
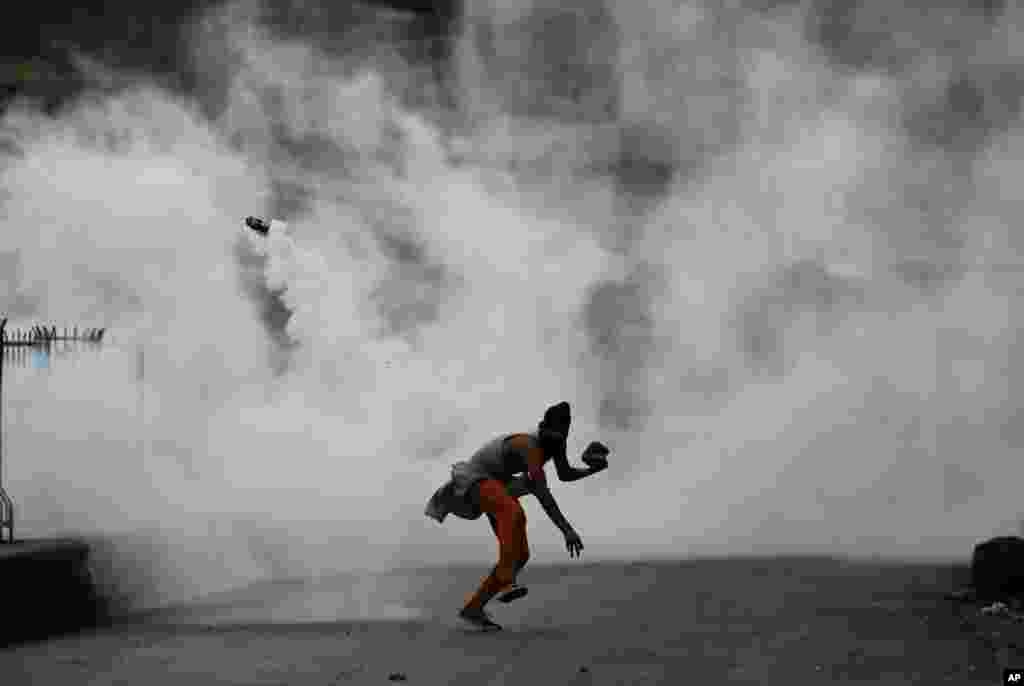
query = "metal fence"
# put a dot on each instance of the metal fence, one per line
(34, 346)
(6, 506)
(39, 347)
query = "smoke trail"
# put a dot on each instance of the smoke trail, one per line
(759, 258)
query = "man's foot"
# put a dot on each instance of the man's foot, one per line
(513, 592)
(478, 618)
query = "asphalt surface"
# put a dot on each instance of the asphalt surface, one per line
(745, 621)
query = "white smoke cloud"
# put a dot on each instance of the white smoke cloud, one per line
(728, 253)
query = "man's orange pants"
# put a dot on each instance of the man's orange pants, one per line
(509, 524)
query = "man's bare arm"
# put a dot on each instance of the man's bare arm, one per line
(567, 472)
(555, 447)
(547, 501)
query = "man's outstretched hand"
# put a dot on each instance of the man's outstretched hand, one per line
(596, 456)
(573, 544)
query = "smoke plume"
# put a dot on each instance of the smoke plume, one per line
(766, 250)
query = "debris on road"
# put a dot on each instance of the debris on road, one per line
(996, 608)
(1001, 609)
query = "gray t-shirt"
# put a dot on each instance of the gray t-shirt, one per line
(495, 460)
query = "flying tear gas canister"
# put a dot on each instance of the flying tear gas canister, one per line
(265, 228)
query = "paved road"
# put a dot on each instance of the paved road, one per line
(780, 621)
